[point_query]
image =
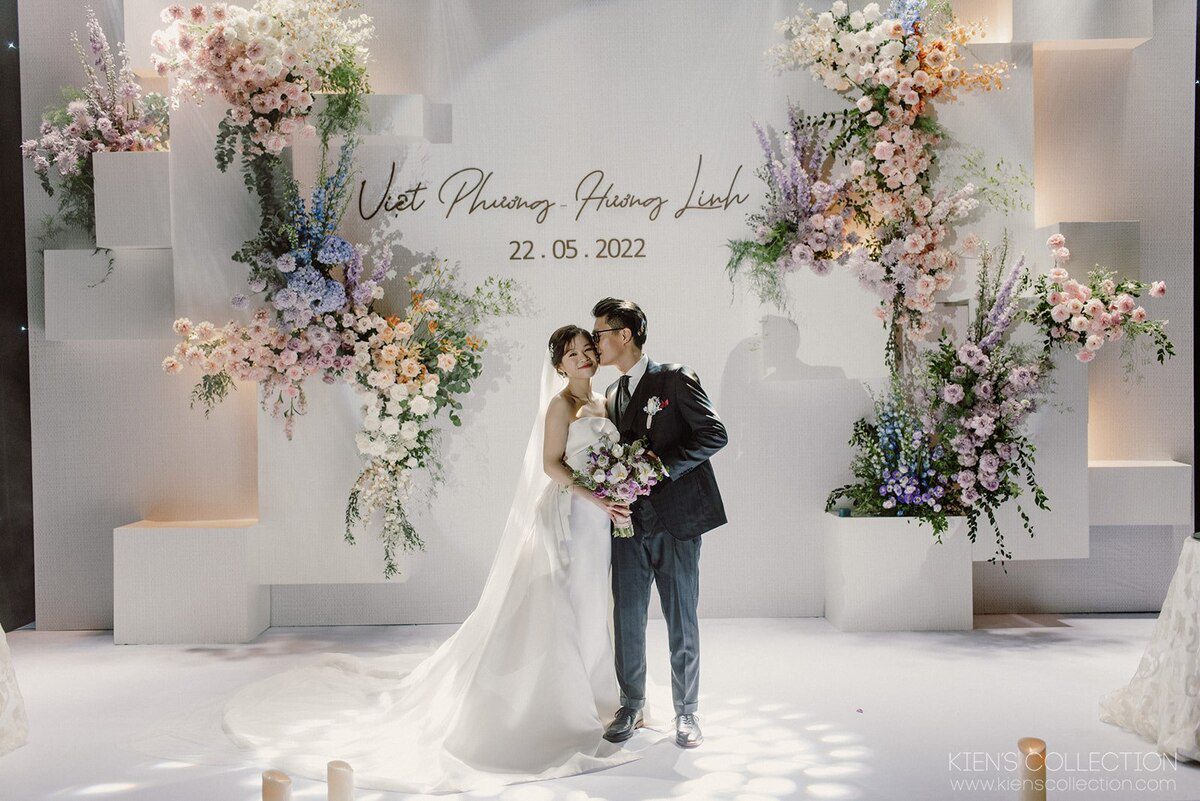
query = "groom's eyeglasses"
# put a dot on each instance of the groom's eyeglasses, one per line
(596, 334)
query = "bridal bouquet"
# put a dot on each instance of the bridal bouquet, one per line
(1087, 315)
(268, 62)
(622, 473)
(109, 113)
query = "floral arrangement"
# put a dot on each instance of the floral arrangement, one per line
(109, 114)
(803, 224)
(897, 469)
(321, 314)
(893, 66)
(951, 438)
(954, 443)
(623, 473)
(1085, 316)
(406, 370)
(268, 62)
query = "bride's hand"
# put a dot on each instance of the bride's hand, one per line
(617, 512)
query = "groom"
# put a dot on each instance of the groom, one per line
(665, 403)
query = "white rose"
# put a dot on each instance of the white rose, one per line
(839, 9)
(390, 426)
(395, 408)
(371, 423)
(430, 389)
(363, 442)
(420, 405)
(410, 429)
(362, 358)
(598, 476)
(400, 391)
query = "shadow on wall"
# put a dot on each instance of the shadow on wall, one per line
(788, 423)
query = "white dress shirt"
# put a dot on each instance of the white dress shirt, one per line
(636, 372)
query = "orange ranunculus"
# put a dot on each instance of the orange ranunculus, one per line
(433, 326)
(393, 321)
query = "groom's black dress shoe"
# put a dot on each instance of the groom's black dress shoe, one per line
(687, 732)
(626, 722)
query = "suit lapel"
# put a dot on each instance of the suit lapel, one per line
(643, 391)
(610, 403)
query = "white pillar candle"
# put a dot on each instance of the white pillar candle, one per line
(277, 786)
(340, 777)
(1033, 768)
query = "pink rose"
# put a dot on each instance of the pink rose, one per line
(1058, 275)
(1056, 241)
(1094, 342)
(1138, 315)
(1085, 355)
(1060, 314)
(1158, 289)
(1125, 304)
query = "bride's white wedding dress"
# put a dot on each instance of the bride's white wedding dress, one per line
(521, 692)
(14, 729)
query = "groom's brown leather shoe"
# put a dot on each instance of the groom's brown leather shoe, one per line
(626, 722)
(687, 732)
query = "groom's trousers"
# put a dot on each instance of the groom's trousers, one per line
(653, 555)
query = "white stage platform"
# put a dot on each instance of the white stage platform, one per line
(791, 709)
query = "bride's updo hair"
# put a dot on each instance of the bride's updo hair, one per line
(561, 339)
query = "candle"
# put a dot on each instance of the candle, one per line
(277, 786)
(1033, 768)
(341, 781)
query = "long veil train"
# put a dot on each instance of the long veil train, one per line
(506, 699)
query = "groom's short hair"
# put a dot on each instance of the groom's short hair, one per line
(626, 313)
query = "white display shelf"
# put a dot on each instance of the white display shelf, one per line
(133, 199)
(1062, 24)
(188, 582)
(390, 119)
(1082, 24)
(1114, 245)
(1140, 493)
(135, 302)
(890, 574)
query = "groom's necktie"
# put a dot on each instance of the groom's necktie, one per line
(623, 398)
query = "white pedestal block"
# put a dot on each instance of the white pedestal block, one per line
(133, 199)
(135, 302)
(890, 574)
(1146, 493)
(188, 582)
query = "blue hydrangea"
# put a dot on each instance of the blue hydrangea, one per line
(335, 250)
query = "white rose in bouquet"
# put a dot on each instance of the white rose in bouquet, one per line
(420, 405)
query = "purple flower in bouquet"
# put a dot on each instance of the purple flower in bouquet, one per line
(621, 472)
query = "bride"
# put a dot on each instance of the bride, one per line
(522, 689)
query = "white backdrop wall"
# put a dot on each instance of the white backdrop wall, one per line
(541, 94)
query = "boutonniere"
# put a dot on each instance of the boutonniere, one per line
(653, 407)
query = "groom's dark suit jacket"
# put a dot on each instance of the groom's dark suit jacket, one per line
(684, 434)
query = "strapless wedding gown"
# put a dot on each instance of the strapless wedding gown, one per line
(521, 692)
(14, 729)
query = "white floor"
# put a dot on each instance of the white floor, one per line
(791, 709)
